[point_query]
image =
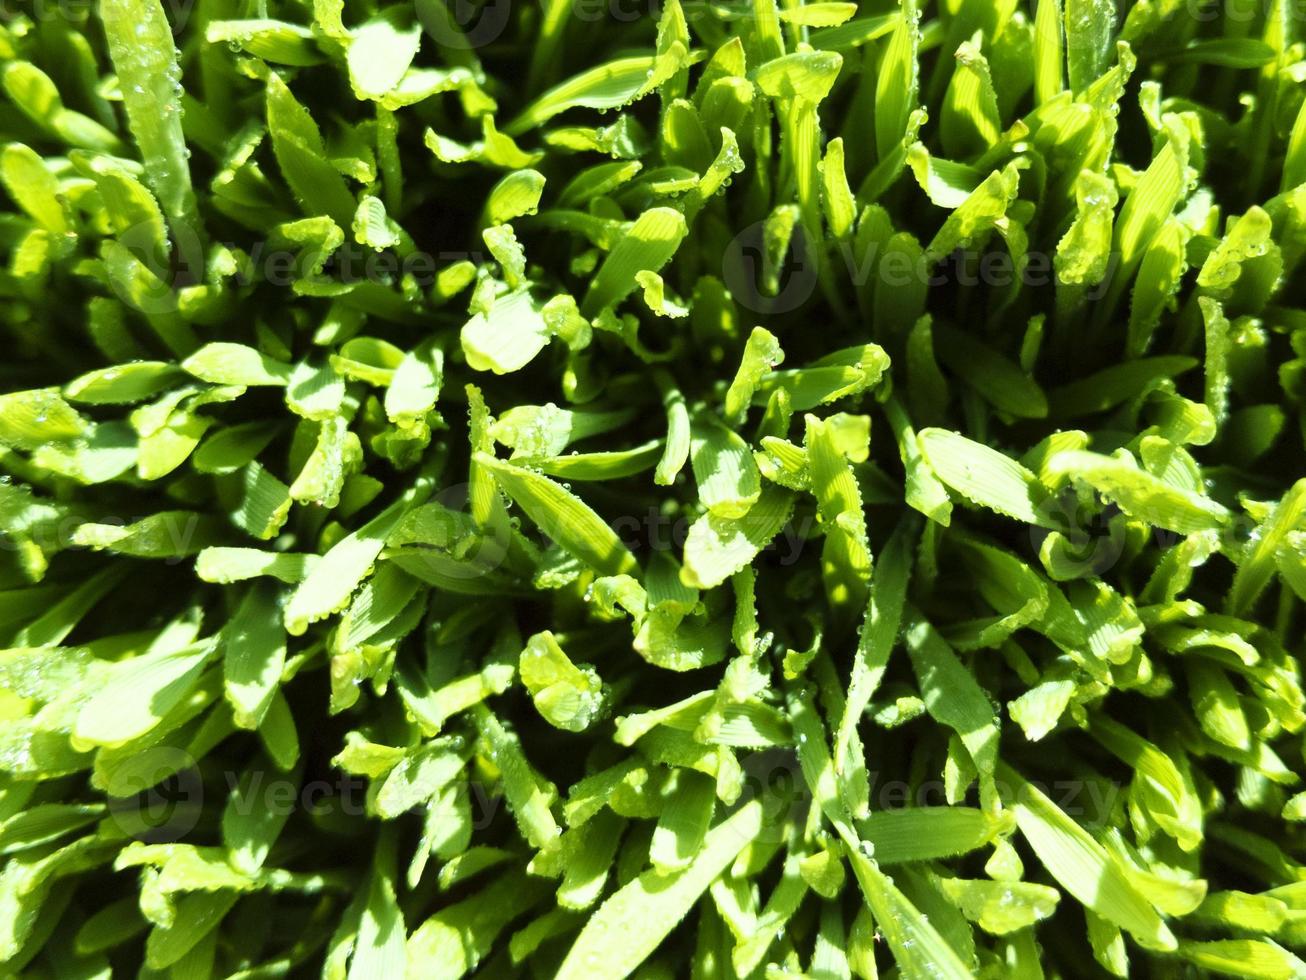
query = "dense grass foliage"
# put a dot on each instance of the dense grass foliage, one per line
(723, 489)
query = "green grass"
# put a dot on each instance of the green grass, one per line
(726, 490)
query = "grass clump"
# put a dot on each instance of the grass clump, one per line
(728, 490)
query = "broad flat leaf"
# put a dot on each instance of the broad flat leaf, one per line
(254, 653)
(649, 244)
(1048, 50)
(380, 950)
(1260, 958)
(839, 375)
(34, 187)
(123, 385)
(971, 121)
(273, 40)
(846, 554)
(29, 419)
(145, 57)
(44, 823)
(952, 695)
(516, 195)
(227, 565)
(562, 516)
(569, 697)
(420, 775)
(761, 355)
(1090, 25)
(682, 826)
(804, 75)
(926, 833)
(1154, 196)
(379, 54)
(896, 83)
(1257, 567)
(607, 86)
(1140, 494)
(633, 922)
(235, 364)
(138, 692)
(717, 547)
(332, 579)
(1083, 867)
(1001, 907)
(727, 477)
(985, 476)
(508, 337)
(251, 822)
(875, 642)
(529, 795)
(301, 155)
(1111, 386)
